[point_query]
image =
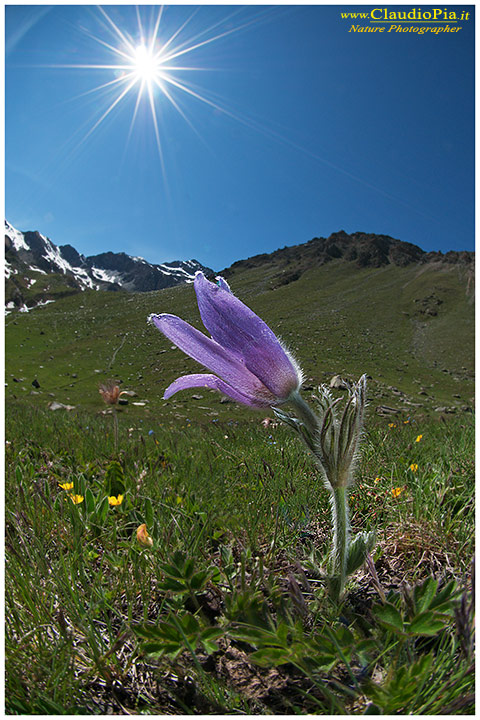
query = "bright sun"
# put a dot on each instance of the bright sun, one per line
(145, 64)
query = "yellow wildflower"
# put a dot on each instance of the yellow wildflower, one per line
(405, 422)
(76, 499)
(377, 480)
(143, 537)
(112, 500)
(419, 437)
(414, 467)
(66, 486)
(397, 491)
(391, 425)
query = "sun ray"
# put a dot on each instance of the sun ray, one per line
(192, 45)
(179, 30)
(154, 34)
(197, 95)
(132, 122)
(113, 48)
(157, 136)
(117, 30)
(200, 34)
(99, 88)
(177, 107)
(109, 110)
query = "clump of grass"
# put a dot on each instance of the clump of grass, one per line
(226, 612)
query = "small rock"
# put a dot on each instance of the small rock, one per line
(123, 401)
(35, 383)
(197, 397)
(337, 383)
(60, 406)
(74, 375)
(386, 410)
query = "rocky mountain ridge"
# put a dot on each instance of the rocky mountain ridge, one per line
(360, 248)
(37, 271)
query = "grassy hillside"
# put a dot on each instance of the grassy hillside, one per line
(226, 610)
(410, 328)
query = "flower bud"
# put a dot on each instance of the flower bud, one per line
(143, 537)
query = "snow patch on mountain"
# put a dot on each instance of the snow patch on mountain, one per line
(17, 238)
(109, 276)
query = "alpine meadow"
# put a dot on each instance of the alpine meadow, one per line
(310, 554)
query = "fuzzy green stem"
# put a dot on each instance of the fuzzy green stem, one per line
(340, 539)
(115, 428)
(306, 415)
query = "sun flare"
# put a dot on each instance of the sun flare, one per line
(146, 64)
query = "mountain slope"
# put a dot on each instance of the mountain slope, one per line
(410, 327)
(38, 271)
(362, 250)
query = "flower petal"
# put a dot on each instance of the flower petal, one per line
(210, 354)
(214, 383)
(235, 327)
(223, 283)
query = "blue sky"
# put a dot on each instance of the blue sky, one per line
(264, 126)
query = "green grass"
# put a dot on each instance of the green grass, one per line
(227, 612)
(334, 319)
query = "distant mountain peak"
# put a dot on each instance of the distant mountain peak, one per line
(359, 248)
(29, 255)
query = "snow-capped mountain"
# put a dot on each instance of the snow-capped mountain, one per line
(33, 259)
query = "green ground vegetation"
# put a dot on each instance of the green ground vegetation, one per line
(227, 611)
(410, 329)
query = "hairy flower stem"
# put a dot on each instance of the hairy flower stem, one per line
(115, 428)
(305, 413)
(341, 538)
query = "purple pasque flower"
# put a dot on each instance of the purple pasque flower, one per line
(249, 363)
